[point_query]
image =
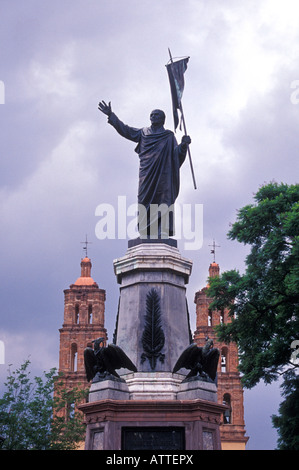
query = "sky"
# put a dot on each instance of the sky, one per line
(61, 163)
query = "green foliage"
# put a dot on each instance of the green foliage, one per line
(287, 422)
(263, 302)
(29, 413)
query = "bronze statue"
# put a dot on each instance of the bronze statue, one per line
(159, 171)
(202, 362)
(101, 362)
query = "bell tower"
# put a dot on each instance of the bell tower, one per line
(230, 391)
(84, 307)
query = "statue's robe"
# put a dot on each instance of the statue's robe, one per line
(159, 175)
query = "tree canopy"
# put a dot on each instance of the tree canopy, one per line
(287, 422)
(263, 302)
(32, 418)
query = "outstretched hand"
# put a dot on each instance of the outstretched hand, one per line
(105, 108)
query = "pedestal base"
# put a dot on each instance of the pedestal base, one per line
(109, 422)
(152, 386)
(168, 386)
(152, 412)
(108, 389)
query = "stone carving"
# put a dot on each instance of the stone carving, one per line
(101, 362)
(153, 338)
(202, 362)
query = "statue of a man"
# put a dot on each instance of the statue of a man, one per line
(159, 171)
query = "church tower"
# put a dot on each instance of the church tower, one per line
(84, 306)
(230, 391)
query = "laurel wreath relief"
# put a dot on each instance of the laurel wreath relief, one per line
(153, 337)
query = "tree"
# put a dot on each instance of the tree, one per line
(263, 302)
(287, 423)
(31, 417)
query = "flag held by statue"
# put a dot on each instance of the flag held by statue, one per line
(176, 72)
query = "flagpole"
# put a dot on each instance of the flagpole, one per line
(185, 130)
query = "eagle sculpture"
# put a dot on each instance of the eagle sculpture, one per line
(101, 361)
(202, 361)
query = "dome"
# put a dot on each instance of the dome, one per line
(85, 279)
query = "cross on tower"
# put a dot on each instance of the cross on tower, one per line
(213, 251)
(85, 245)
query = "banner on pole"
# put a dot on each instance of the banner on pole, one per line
(176, 72)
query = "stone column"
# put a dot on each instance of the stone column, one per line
(153, 320)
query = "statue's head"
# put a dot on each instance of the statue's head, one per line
(157, 116)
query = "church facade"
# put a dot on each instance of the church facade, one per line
(230, 391)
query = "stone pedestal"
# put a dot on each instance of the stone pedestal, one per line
(152, 408)
(144, 268)
(159, 413)
(108, 389)
(168, 386)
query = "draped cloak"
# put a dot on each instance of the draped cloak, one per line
(160, 159)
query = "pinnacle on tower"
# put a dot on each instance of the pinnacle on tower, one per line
(85, 279)
(214, 270)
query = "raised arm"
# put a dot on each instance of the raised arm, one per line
(124, 130)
